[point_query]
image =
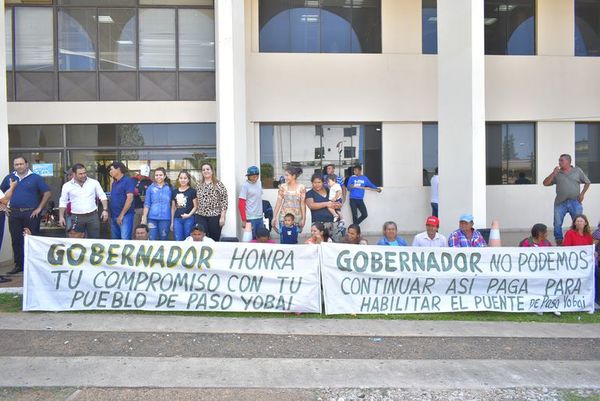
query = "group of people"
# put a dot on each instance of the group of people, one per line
(187, 208)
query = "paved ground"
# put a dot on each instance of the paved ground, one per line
(50, 356)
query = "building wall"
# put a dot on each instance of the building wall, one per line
(399, 89)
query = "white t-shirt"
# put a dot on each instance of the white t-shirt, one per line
(435, 182)
(335, 188)
(206, 239)
(423, 239)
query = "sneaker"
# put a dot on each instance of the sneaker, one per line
(556, 313)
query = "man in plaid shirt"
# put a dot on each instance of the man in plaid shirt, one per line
(466, 236)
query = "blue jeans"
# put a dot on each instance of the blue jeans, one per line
(256, 224)
(182, 228)
(571, 206)
(434, 209)
(123, 231)
(158, 229)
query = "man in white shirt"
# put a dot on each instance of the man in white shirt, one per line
(435, 183)
(198, 235)
(430, 237)
(82, 192)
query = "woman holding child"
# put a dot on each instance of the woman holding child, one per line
(291, 199)
(317, 200)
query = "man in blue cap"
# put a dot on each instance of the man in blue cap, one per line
(250, 202)
(466, 236)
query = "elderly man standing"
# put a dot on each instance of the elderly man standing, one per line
(569, 196)
(430, 237)
(26, 204)
(466, 236)
(82, 191)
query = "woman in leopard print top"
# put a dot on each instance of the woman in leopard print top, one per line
(212, 203)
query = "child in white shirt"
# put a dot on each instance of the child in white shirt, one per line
(335, 195)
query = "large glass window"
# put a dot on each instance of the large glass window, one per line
(8, 38)
(587, 149)
(510, 153)
(587, 28)
(429, 26)
(34, 46)
(430, 151)
(196, 39)
(117, 38)
(157, 39)
(77, 33)
(111, 53)
(326, 26)
(509, 27)
(312, 146)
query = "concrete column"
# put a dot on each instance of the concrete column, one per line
(555, 26)
(5, 249)
(461, 112)
(231, 104)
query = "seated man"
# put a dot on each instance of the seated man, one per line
(430, 237)
(263, 236)
(141, 232)
(199, 235)
(466, 236)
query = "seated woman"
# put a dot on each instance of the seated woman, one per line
(318, 234)
(353, 236)
(538, 238)
(390, 235)
(580, 232)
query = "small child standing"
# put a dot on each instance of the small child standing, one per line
(288, 233)
(335, 195)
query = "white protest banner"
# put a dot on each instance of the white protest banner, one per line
(79, 274)
(378, 279)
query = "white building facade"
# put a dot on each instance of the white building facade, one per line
(488, 91)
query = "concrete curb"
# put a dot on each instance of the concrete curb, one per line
(295, 326)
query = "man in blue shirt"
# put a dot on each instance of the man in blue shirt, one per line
(357, 185)
(26, 204)
(121, 200)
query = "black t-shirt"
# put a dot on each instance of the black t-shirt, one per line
(184, 201)
(319, 215)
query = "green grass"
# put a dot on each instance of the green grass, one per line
(571, 396)
(13, 303)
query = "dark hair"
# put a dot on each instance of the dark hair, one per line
(436, 171)
(327, 166)
(142, 226)
(198, 227)
(358, 166)
(332, 177)
(294, 170)
(214, 176)
(538, 229)
(262, 232)
(566, 156)
(586, 229)
(161, 169)
(77, 166)
(316, 176)
(290, 215)
(321, 227)
(119, 166)
(389, 223)
(20, 157)
(355, 227)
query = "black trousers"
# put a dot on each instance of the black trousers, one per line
(358, 205)
(17, 221)
(211, 226)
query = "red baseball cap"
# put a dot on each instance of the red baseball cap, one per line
(432, 221)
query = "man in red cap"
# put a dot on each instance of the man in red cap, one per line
(430, 237)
